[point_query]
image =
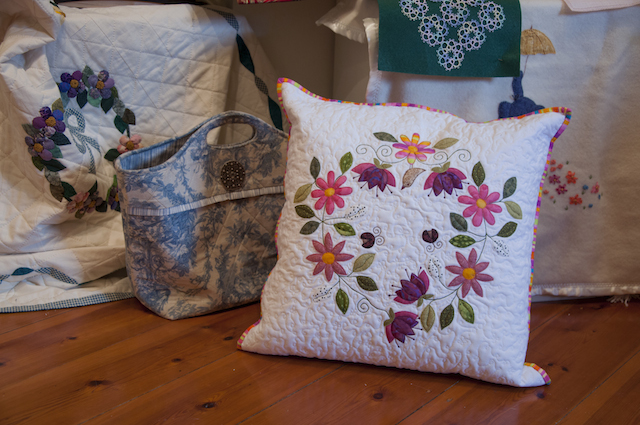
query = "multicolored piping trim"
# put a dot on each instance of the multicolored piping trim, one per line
(541, 371)
(245, 333)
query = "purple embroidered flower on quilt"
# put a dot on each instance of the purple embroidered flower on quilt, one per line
(113, 198)
(447, 181)
(49, 121)
(561, 189)
(469, 273)
(71, 84)
(375, 175)
(400, 325)
(413, 289)
(100, 85)
(92, 202)
(40, 147)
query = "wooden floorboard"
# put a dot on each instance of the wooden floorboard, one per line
(118, 363)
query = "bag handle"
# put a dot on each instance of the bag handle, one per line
(261, 130)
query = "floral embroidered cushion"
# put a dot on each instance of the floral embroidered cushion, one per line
(406, 238)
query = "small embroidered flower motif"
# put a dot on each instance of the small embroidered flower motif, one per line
(40, 147)
(71, 84)
(49, 121)
(595, 188)
(368, 239)
(100, 85)
(77, 202)
(412, 149)
(552, 169)
(413, 289)
(561, 189)
(571, 177)
(375, 176)
(329, 257)
(113, 198)
(546, 192)
(92, 202)
(447, 181)
(559, 166)
(129, 144)
(400, 326)
(482, 205)
(575, 200)
(554, 179)
(553, 162)
(330, 192)
(469, 273)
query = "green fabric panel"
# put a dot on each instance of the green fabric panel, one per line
(402, 49)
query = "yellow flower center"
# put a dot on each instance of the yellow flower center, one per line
(329, 192)
(92, 204)
(481, 203)
(74, 83)
(38, 147)
(117, 197)
(469, 273)
(412, 149)
(328, 258)
(99, 85)
(130, 145)
(51, 121)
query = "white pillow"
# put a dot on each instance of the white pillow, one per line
(407, 238)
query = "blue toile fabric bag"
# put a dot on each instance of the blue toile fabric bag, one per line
(200, 217)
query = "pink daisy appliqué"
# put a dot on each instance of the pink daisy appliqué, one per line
(330, 192)
(469, 273)
(328, 258)
(481, 204)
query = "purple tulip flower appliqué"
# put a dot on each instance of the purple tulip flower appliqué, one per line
(400, 325)
(446, 180)
(414, 289)
(375, 175)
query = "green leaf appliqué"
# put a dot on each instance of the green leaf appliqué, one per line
(445, 143)
(509, 187)
(508, 229)
(309, 227)
(342, 300)
(363, 262)
(314, 168)
(478, 174)
(447, 315)
(366, 283)
(304, 211)
(428, 318)
(345, 229)
(466, 311)
(385, 137)
(513, 209)
(458, 222)
(302, 193)
(345, 162)
(462, 241)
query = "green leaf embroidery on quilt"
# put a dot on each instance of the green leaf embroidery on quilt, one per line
(37, 161)
(458, 222)
(309, 227)
(304, 211)
(363, 262)
(509, 187)
(345, 229)
(514, 209)
(385, 137)
(466, 311)
(106, 104)
(53, 165)
(302, 193)
(447, 315)
(314, 168)
(446, 143)
(478, 174)
(345, 162)
(111, 155)
(31, 130)
(462, 241)
(342, 300)
(95, 102)
(82, 99)
(57, 192)
(69, 191)
(57, 105)
(120, 124)
(392, 316)
(129, 117)
(428, 318)
(60, 139)
(508, 229)
(366, 283)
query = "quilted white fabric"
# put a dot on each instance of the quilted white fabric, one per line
(168, 68)
(406, 238)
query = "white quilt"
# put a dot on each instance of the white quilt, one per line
(63, 119)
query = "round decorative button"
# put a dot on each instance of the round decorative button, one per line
(232, 176)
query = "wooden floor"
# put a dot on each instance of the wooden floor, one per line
(117, 363)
